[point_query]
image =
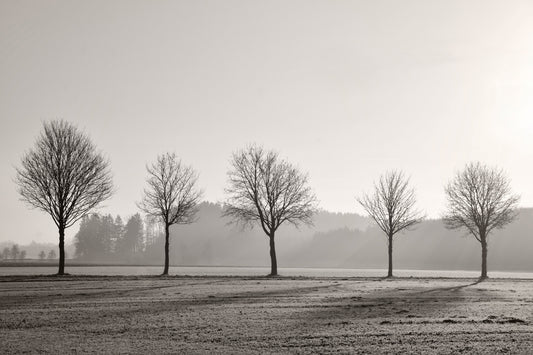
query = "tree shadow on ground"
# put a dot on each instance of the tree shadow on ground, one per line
(256, 296)
(451, 289)
(399, 303)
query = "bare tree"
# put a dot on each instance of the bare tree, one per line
(391, 206)
(267, 190)
(172, 196)
(6, 253)
(64, 176)
(15, 250)
(480, 200)
(52, 254)
(42, 255)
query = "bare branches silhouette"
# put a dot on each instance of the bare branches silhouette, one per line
(172, 195)
(64, 176)
(480, 200)
(270, 191)
(392, 207)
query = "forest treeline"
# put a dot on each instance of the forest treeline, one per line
(107, 238)
(104, 238)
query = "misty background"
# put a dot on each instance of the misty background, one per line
(338, 240)
(346, 90)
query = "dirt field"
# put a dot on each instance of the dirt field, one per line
(262, 315)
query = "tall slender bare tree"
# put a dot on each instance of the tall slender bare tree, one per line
(270, 191)
(392, 207)
(172, 195)
(64, 176)
(480, 200)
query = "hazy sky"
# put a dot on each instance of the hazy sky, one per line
(344, 89)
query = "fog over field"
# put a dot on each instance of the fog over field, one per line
(337, 240)
(349, 241)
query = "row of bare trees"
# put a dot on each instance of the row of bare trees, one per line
(50, 256)
(479, 200)
(263, 189)
(13, 253)
(66, 177)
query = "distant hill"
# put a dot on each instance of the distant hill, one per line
(213, 241)
(350, 241)
(432, 246)
(429, 246)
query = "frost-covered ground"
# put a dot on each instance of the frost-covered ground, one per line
(261, 315)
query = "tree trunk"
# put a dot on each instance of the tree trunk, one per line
(273, 260)
(483, 258)
(389, 274)
(61, 270)
(167, 234)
